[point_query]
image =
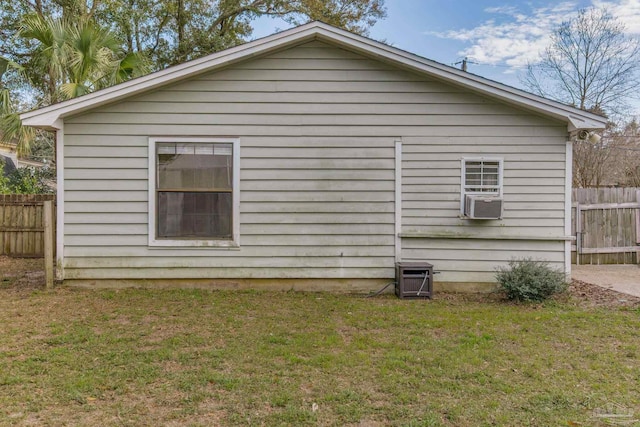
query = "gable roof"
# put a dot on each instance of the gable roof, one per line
(50, 117)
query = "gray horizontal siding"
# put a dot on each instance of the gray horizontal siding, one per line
(254, 141)
(275, 120)
(317, 126)
(443, 219)
(87, 196)
(447, 196)
(270, 215)
(282, 261)
(241, 97)
(463, 260)
(534, 193)
(269, 240)
(377, 248)
(363, 74)
(279, 229)
(226, 272)
(306, 108)
(298, 129)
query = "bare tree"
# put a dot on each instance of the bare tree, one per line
(593, 163)
(593, 65)
(590, 64)
(627, 165)
(614, 160)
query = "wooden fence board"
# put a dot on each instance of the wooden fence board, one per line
(606, 224)
(21, 224)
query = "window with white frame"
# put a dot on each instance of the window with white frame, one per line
(481, 176)
(193, 193)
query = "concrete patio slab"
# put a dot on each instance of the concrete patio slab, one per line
(621, 278)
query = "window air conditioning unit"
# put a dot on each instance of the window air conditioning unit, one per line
(483, 207)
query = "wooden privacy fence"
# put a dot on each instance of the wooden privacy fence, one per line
(606, 224)
(22, 224)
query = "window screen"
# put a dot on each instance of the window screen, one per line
(194, 190)
(482, 176)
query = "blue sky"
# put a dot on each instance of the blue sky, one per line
(498, 36)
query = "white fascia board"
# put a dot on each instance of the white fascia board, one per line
(578, 123)
(47, 121)
(577, 119)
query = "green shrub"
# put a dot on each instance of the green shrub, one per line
(28, 180)
(529, 280)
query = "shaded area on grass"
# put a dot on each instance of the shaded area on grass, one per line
(21, 274)
(176, 357)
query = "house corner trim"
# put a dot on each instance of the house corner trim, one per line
(398, 201)
(59, 127)
(568, 181)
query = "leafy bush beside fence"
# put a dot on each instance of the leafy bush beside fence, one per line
(530, 280)
(27, 180)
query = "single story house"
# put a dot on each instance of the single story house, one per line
(310, 159)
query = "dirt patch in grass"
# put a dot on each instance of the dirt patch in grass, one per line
(578, 293)
(586, 294)
(21, 274)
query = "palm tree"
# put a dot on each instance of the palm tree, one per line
(75, 58)
(69, 59)
(11, 130)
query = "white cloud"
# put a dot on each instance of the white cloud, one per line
(501, 9)
(628, 11)
(515, 38)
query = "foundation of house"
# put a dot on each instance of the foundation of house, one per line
(305, 285)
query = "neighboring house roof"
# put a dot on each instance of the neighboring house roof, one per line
(22, 162)
(49, 117)
(7, 164)
(12, 161)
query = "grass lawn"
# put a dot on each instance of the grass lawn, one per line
(185, 357)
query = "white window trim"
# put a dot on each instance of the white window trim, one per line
(204, 243)
(463, 174)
